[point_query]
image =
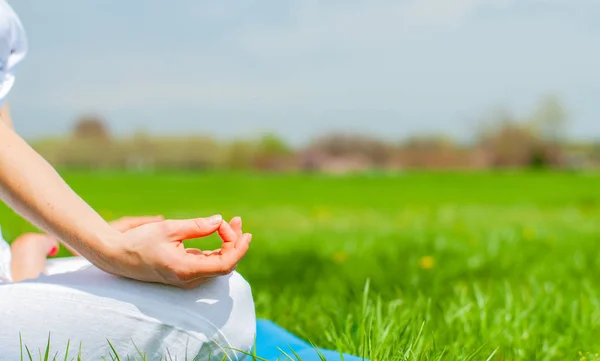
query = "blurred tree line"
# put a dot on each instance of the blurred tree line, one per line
(504, 141)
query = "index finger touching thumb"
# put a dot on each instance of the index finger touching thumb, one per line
(193, 228)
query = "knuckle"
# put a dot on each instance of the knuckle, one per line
(201, 224)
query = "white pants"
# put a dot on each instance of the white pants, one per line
(79, 303)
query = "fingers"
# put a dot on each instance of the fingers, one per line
(194, 251)
(211, 253)
(178, 230)
(236, 225)
(227, 233)
(225, 262)
(198, 266)
(200, 252)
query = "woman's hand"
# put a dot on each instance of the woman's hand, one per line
(124, 224)
(154, 252)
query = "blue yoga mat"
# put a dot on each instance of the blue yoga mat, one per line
(271, 338)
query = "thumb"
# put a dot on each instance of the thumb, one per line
(192, 228)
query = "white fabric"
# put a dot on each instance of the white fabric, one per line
(5, 257)
(78, 302)
(13, 47)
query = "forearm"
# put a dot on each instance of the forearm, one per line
(35, 190)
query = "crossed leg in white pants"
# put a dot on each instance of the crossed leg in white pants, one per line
(78, 303)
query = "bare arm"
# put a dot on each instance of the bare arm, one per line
(152, 252)
(35, 190)
(120, 225)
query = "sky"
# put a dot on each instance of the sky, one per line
(299, 68)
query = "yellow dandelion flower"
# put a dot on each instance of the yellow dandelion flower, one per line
(427, 262)
(340, 257)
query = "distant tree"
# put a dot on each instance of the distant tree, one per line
(512, 143)
(272, 153)
(550, 119)
(431, 152)
(376, 151)
(272, 144)
(240, 155)
(200, 153)
(87, 146)
(91, 127)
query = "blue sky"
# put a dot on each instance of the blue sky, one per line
(299, 68)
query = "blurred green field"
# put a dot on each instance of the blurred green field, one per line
(500, 266)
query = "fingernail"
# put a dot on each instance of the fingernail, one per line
(53, 251)
(250, 237)
(216, 219)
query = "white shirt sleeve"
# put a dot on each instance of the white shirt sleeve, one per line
(5, 261)
(13, 47)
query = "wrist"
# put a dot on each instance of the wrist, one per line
(104, 248)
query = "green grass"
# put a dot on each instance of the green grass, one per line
(460, 266)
